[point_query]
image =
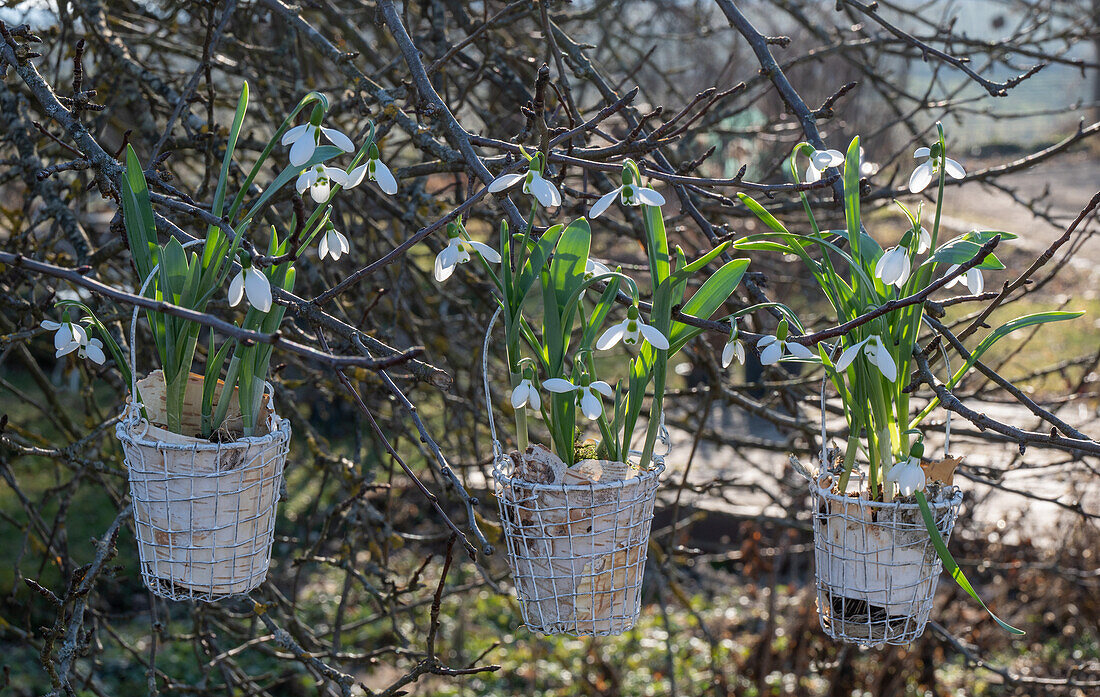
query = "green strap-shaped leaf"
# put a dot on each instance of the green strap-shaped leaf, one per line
(953, 568)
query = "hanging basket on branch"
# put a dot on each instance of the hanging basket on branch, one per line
(876, 566)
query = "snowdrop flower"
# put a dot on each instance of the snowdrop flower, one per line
(93, 351)
(893, 266)
(908, 475)
(68, 337)
(734, 349)
(533, 184)
(972, 279)
(319, 179)
(333, 244)
(630, 194)
(588, 396)
(458, 251)
(774, 348)
(303, 140)
(821, 160)
(924, 241)
(375, 170)
(929, 169)
(593, 268)
(876, 353)
(526, 395)
(252, 282)
(630, 331)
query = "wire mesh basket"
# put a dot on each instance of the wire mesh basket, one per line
(875, 564)
(204, 511)
(577, 539)
(577, 551)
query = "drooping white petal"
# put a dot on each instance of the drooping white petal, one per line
(612, 336)
(320, 190)
(337, 175)
(345, 246)
(294, 134)
(974, 281)
(594, 268)
(543, 190)
(521, 394)
(591, 406)
(603, 204)
(922, 152)
(323, 250)
(603, 388)
(812, 174)
(504, 181)
(50, 325)
(893, 267)
(305, 180)
(559, 385)
(338, 139)
(385, 178)
(302, 150)
(921, 177)
(534, 399)
(824, 159)
(772, 353)
(491, 255)
(880, 358)
(908, 475)
(446, 261)
(924, 241)
(798, 350)
(258, 289)
(236, 289)
(849, 355)
(648, 196)
(733, 349)
(653, 335)
(766, 341)
(355, 176)
(954, 168)
(957, 279)
(94, 352)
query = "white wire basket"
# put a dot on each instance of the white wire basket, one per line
(204, 512)
(577, 551)
(875, 564)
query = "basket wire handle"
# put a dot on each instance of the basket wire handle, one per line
(133, 411)
(498, 450)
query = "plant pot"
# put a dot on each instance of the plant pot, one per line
(876, 567)
(204, 512)
(577, 540)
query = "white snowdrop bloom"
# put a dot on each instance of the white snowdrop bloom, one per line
(928, 170)
(773, 349)
(375, 170)
(68, 337)
(593, 268)
(875, 351)
(972, 279)
(526, 395)
(588, 396)
(821, 160)
(893, 267)
(533, 184)
(734, 348)
(629, 195)
(319, 180)
(630, 331)
(93, 351)
(458, 251)
(304, 139)
(924, 241)
(908, 475)
(250, 282)
(334, 244)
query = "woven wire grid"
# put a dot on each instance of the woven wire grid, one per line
(875, 565)
(577, 551)
(204, 513)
